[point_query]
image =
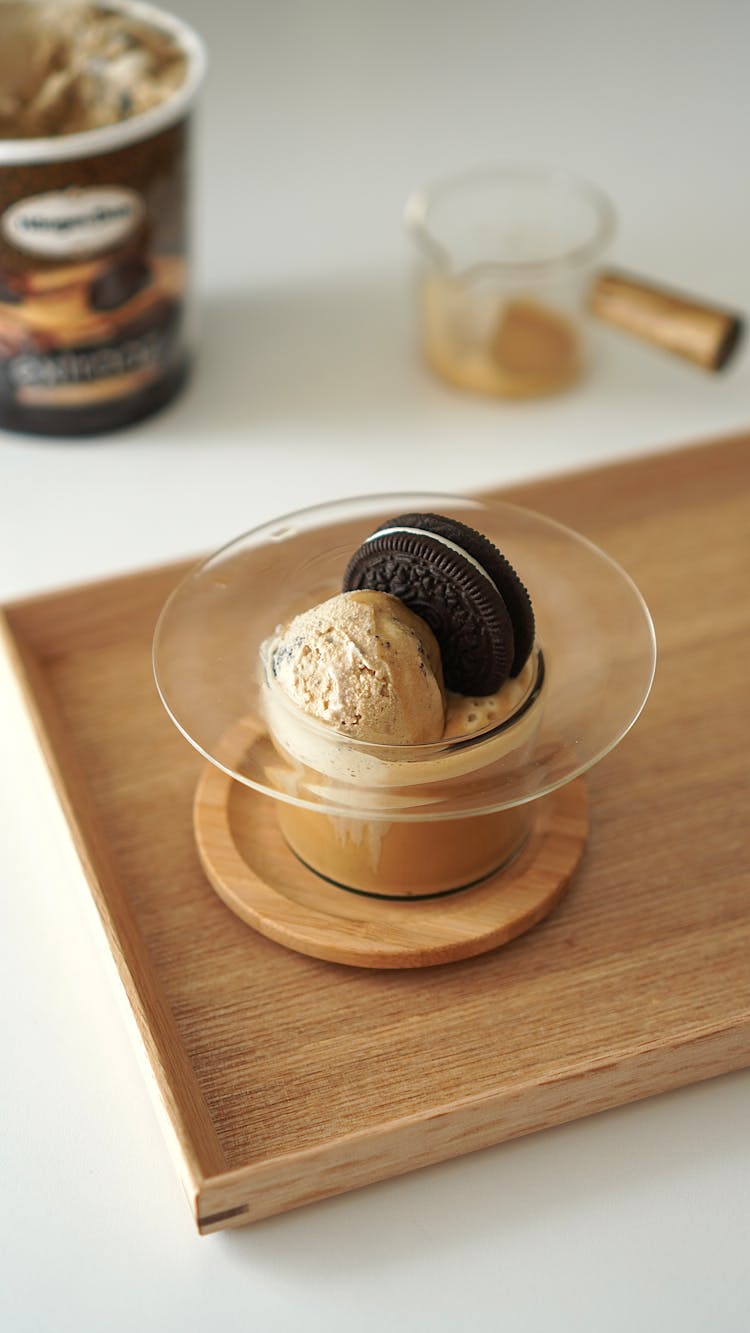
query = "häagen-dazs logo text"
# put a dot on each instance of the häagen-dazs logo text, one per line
(67, 224)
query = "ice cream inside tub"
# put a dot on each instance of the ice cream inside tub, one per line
(67, 66)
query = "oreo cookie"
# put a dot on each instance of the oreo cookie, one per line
(458, 581)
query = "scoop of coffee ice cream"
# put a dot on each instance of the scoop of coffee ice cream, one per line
(366, 665)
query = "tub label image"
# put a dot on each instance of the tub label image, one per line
(66, 224)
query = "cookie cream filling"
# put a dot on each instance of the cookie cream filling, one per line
(444, 541)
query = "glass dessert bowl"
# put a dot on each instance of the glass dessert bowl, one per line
(404, 820)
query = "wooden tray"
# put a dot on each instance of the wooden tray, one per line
(286, 1079)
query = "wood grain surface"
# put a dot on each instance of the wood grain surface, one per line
(286, 1078)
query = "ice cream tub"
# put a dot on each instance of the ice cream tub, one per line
(95, 115)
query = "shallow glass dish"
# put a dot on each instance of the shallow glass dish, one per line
(592, 670)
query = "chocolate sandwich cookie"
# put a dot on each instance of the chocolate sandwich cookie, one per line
(458, 581)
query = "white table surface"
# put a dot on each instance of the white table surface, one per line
(316, 121)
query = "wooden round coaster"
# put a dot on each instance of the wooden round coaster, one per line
(260, 879)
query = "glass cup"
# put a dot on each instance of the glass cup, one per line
(506, 258)
(403, 821)
(384, 838)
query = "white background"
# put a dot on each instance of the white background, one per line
(317, 120)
